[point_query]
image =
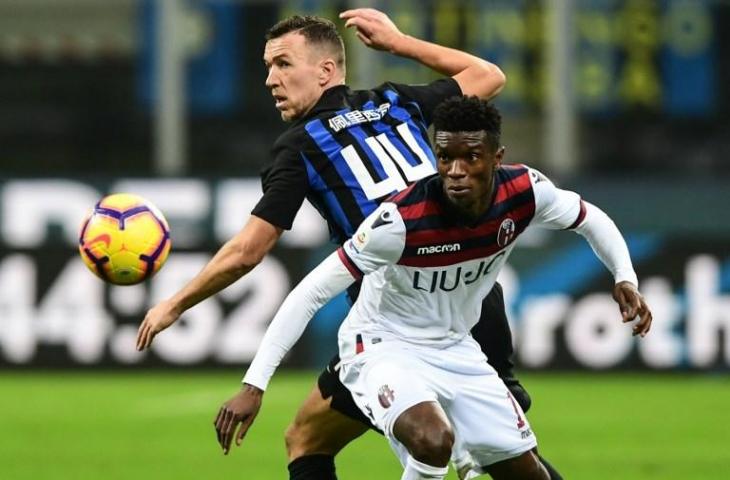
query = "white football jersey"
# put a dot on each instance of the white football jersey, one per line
(426, 273)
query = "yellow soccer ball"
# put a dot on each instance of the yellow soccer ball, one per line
(125, 239)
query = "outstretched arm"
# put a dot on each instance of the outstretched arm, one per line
(474, 75)
(563, 209)
(609, 245)
(235, 259)
(322, 284)
(379, 241)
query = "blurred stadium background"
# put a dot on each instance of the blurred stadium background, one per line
(624, 101)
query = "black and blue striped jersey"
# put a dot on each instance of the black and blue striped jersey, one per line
(350, 152)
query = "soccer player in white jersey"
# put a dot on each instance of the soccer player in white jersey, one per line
(428, 257)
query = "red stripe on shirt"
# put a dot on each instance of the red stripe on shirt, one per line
(349, 264)
(513, 187)
(439, 236)
(420, 209)
(401, 195)
(581, 216)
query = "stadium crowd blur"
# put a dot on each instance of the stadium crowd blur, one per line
(75, 85)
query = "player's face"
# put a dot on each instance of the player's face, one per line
(466, 163)
(294, 74)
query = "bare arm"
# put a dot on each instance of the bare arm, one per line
(474, 75)
(233, 260)
(384, 246)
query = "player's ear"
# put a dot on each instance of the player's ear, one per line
(498, 157)
(327, 70)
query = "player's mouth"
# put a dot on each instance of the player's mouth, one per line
(458, 191)
(280, 100)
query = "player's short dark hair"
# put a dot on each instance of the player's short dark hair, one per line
(469, 114)
(316, 30)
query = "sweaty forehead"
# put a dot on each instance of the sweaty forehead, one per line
(471, 138)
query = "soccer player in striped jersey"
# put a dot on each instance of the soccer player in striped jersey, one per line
(428, 256)
(345, 151)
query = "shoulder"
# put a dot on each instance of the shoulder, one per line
(384, 220)
(291, 140)
(536, 176)
(541, 185)
(384, 223)
(286, 161)
(521, 176)
(511, 180)
(423, 189)
(381, 234)
(513, 170)
(288, 150)
(420, 205)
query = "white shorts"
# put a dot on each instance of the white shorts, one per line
(389, 377)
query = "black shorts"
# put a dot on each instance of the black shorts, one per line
(491, 332)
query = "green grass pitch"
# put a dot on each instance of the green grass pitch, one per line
(142, 425)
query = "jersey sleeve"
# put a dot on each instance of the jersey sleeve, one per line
(607, 242)
(285, 185)
(430, 95)
(555, 208)
(563, 209)
(379, 241)
(321, 285)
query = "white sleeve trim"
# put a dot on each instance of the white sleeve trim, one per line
(326, 281)
(607, 242)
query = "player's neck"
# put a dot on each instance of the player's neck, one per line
(472, 212)
(479, 207)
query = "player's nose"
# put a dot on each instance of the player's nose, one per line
(272, 79)
(456, 169)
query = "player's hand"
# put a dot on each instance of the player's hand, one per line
(242, 408)
(157, 319)
(373, 27)
(632, 304)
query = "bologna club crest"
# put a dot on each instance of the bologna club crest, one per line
(506, 232)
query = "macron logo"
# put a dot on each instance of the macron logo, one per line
(449, 247)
